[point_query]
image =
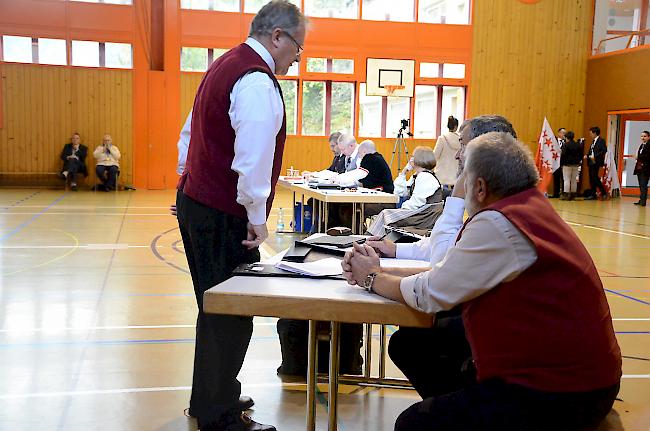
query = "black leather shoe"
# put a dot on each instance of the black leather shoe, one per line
(235, 422)
(590, 198)
(245, 402)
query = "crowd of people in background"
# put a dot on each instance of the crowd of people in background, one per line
(107, 163)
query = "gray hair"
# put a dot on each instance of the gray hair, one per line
(488, 123)
(424, 157)
(346, 139)
(367, 147)
(504, 163)
(334, 137)
(278, 14)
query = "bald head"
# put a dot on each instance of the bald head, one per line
(367, 147)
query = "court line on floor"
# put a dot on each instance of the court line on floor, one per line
(108, 328)
(586, 226)
(627, 296)
(93, 214)
(31, 220)
(74, 248)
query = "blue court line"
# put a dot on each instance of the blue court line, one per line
(24, 224)
(627, 296)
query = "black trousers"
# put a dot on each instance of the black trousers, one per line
(594, 180)
(294, 337)
(435, 360)
(73, 166)
(107, 175)
(495, 405)
(557, 182)
(643, 187)
(212, 241)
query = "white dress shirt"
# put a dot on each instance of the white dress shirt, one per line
(184, 143)
(352, 161)
(443, 235)
(491, 251)
(425, 186)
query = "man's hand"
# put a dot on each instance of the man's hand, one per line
(459, 187)
(384, 247)
(172, 210)
(347, 268)
(363, 261)
(257, 234)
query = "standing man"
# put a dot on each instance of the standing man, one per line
(557, 174)
(108, 157)
(642, 167)
(225, 194)
(595, 161)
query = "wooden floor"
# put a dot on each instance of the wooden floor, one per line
(97, 317)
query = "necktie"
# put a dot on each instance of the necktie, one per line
(348, 161)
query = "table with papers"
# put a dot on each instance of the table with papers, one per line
(317, 300)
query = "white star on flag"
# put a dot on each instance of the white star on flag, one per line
(548, 156)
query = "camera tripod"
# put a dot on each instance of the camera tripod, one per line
(400, 144)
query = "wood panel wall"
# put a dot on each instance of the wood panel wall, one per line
(530, 61)
(626, 73)
(43, 105)
(302, 152)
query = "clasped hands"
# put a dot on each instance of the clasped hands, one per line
(359, 262)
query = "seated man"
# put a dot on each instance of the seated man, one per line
(74, 160)
(107, 156)
(421, 192)
(338, 162)
(536, 316)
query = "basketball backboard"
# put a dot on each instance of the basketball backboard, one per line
(382, 72)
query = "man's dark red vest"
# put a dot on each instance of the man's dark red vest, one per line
(208, 177)
(550, 328)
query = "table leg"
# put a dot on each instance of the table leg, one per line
(368, 341)
(325, 217)
(382, 352)
(354, 218)
(293, 211)
(334, 376)
(311, 377)
(302, 213)
(363, 218)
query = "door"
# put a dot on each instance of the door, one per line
(631, 126)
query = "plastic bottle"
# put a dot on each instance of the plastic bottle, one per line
(280, 226)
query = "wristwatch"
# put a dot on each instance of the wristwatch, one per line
(370, 279)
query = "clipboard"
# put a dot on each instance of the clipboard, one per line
(269, 270)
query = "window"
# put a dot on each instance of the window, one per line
(17, 48)
(313, 108)
(388, 10)
(444, 11)
(399, 108)
(52, 51)
(614, 20)
(342, 103)
(118, 55)
(290, 93)
(220, 5)
(194, 59)
(332, 8)
(85, 53)
(316, 65)
(254, 6)
(342, 66)
(429, 70)
(453, 103)
(426, 105)
(370, 114)
(451, 70)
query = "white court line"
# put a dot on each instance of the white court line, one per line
(633, 319)
(109, 328)
(609, 230)
(83, 207)
(94, 215)
(133, 390)
(88, 246)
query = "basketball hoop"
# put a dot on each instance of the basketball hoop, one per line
(391, 89)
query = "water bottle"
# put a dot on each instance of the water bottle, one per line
(280, 226)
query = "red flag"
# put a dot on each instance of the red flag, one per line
(548, 156)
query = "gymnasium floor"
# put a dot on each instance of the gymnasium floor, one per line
(97, 312)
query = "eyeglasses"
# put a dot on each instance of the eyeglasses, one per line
(298, 46)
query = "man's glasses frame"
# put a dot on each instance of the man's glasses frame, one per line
(298, 46)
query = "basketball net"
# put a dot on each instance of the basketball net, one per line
(391, 89)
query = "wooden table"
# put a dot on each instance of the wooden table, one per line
(314, 300)
(325, 197)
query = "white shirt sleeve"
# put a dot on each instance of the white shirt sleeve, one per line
(184, 144)
(425, 186)
(351, 178)
(401, 185)
(492, 250)
(256, 113)
(443, 235)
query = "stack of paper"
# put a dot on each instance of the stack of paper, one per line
(318, 268)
